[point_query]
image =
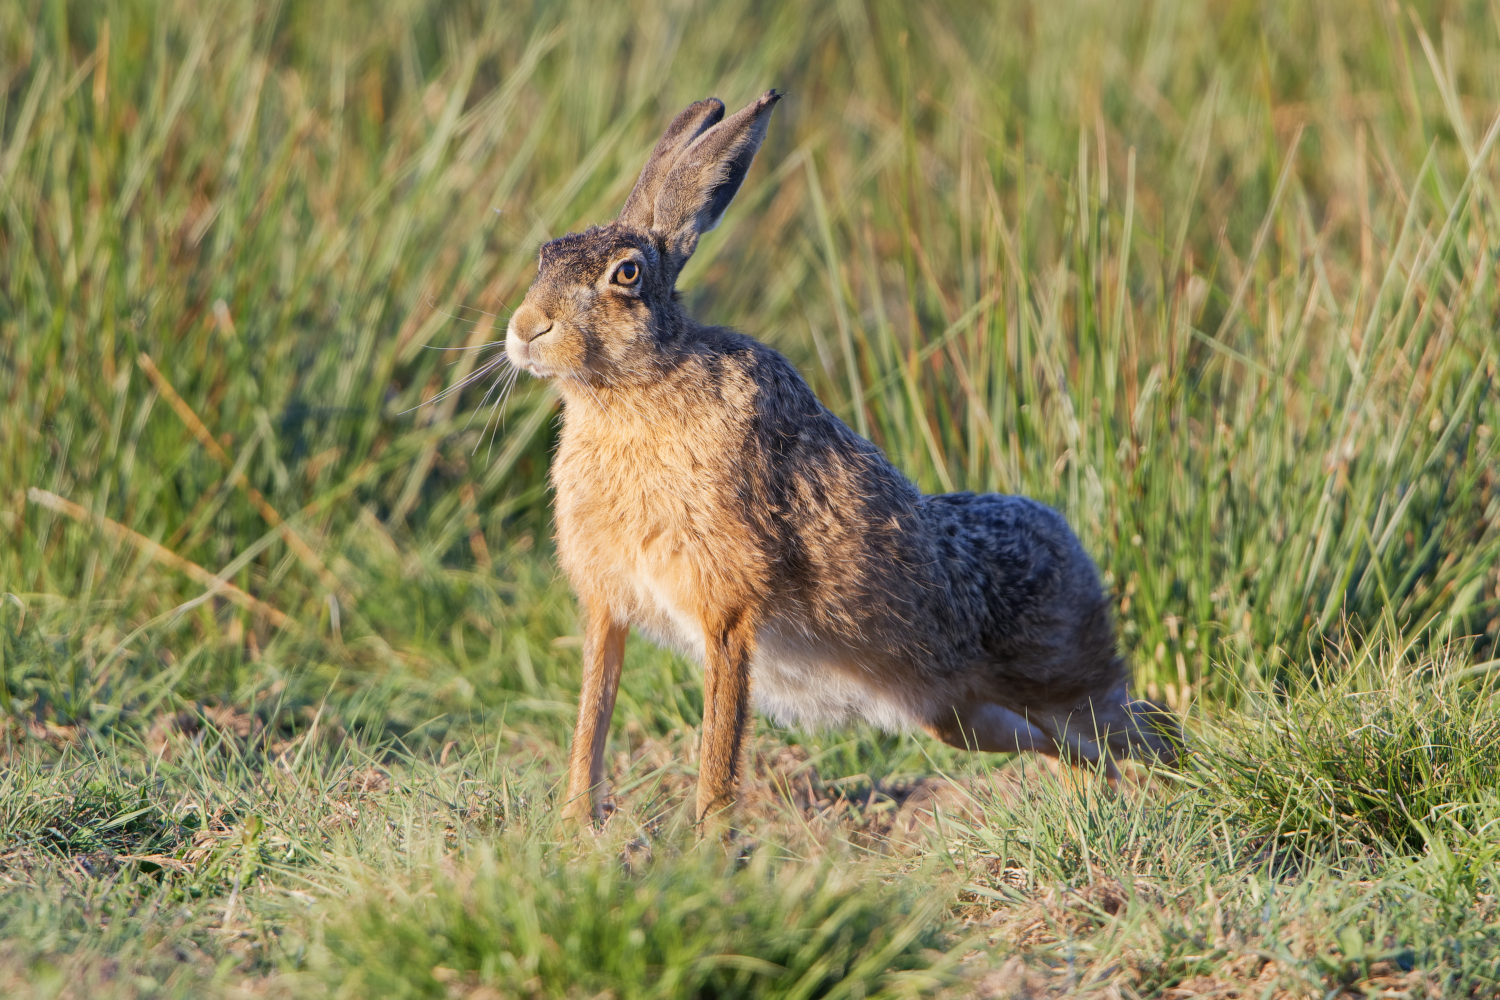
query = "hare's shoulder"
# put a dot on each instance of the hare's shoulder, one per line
(798, 442)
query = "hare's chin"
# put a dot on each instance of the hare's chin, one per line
(521, 356)
(535, 370)
(540, 371)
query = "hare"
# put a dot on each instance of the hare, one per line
(706, 497)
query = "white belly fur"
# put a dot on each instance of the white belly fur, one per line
(794, 682)
(794, 679)
(798, 683)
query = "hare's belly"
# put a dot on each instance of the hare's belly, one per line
(793, 680)
(797, 681)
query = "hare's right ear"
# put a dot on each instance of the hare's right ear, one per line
(687, 198)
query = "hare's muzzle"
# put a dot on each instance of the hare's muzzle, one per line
(527, 325)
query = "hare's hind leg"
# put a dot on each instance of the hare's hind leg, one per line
(726, 710)
(603, 652)
(989, 727)
(996, 729)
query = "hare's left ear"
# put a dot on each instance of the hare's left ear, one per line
(693, 121)
(703, 180)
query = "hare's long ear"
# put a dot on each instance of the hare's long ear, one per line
(707, 173)
(694, 120)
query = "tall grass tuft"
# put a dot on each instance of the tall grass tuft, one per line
(1390, 750)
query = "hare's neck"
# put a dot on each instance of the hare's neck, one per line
(593, 411)
(586, 406)
(675, 390)
(686, 417)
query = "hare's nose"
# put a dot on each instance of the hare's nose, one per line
(530, 323)
(541, 328)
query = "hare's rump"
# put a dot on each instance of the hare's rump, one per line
(1021, 583)
(1006, 622)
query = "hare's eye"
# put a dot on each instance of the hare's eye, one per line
(627, 273)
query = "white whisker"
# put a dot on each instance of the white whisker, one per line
(467, 380)
(466, 347)
(590, 390)
(494, 387)
(497, 411)
(476, 309)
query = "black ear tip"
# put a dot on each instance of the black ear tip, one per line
(710, 109)
(771, 97)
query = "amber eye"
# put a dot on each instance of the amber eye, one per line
(627, 273)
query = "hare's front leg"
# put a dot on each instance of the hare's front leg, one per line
(729, 643)
(603, 652)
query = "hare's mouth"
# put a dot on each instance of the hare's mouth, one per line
(523, 357)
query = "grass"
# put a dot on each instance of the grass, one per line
(286, 670)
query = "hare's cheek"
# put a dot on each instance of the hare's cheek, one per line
(567, 353)
(628, 347)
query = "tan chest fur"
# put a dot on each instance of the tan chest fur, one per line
(647, 521)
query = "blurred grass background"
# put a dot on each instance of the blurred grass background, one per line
(1215, 280)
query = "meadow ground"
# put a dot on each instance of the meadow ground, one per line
(286, 671)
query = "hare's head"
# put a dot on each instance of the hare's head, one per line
(603, 300)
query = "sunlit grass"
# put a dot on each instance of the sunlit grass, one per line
(1216, 281)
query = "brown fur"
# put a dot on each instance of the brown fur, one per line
(705, 496)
